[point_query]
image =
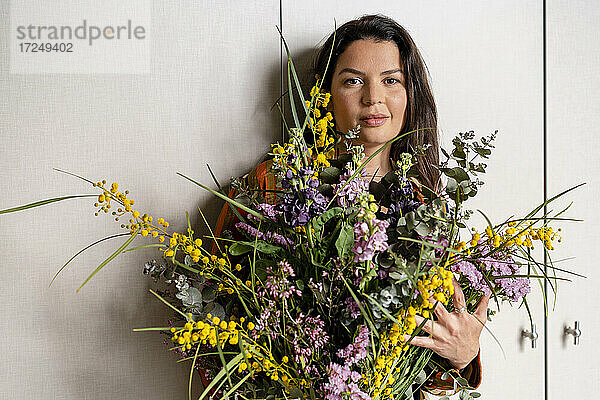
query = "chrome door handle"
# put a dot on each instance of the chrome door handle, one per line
(576, 332)
(533, 335)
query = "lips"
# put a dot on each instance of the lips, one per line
(375, 119)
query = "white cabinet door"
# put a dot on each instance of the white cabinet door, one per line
(573, 140)
(485, 61)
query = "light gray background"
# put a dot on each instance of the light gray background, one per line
(215, 74)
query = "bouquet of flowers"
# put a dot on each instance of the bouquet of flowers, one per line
(320, 296)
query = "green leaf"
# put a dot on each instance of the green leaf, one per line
(75, 175)
(192, 372)
(377, 189)
(458, 153)
(260, 268)
(295, 393)
(456, 173)
(84, 249)
(44, 202)
(227, 199)
(109, 259)
(483, 152)
(325, 217)
(236, 249)
(291, 96)
(345, 240)
(242, 247)
(422, 229)
(146, 246)
(451, 186)
(164, 329)
(462, 381)
(330, 175)
(235, 211)
(230, 365)
(222, 357)
(168, 304)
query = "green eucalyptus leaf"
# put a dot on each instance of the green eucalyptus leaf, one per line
(462, 381)
(397, 276)
(330, 175)
(326, 189)
(483, 152)
(410, 221)
(422, 229)
(459, 153)
(451, 186)
(458, 174)
(208, 294)
(421, 377)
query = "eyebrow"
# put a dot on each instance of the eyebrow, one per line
(388, 72)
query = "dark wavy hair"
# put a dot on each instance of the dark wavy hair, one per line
(421, 111)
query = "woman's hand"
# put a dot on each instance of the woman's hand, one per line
(455, 335)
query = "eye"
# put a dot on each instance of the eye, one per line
(393, 79)
(351, 79)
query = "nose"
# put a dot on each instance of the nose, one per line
(372, 94)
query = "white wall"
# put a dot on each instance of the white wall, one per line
(215, 73)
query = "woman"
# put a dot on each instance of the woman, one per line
(377, 79)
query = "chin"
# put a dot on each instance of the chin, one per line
(372, 137)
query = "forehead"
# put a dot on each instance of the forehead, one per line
(369, 55)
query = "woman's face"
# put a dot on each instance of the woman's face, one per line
(367, 89)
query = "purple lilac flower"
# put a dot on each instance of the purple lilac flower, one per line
(250, 230)
(348, 194)
(382, 273)
(268, 318)
(299, 207)
(309, 337)
(402, 201)
(499, 264)
(268, 210)
(267, 236)
(343, 382)
(352, 307)
(279, 239)
(277, 284)
(367, 241)
(473, 275)
(356, 351)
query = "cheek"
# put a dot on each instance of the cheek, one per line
(342, 111)
(399, 107)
